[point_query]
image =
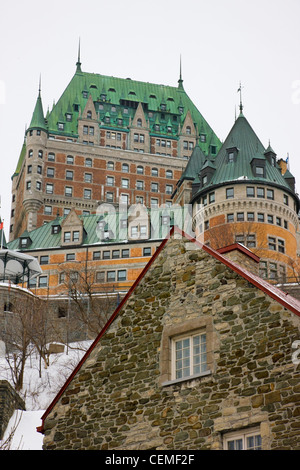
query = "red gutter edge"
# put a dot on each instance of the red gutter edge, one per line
(267, 288)
(104, 329)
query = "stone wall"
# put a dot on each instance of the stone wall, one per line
(9, 402)
(123, 397)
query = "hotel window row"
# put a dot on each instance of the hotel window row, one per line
(139, 169)
(259, 217)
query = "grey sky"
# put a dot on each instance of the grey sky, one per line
(222, 42)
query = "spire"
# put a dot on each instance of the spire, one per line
(241, 102)
(38, 119)
(180, 81)
(78, 63)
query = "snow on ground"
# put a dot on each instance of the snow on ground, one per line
(38, 392)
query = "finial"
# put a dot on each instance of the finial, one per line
(40, 85)
(78, 63)
(180, 81)
(241, 103)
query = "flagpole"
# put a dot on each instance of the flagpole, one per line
(2, 225)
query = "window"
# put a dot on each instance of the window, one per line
(110, 181)
(38, 185)
(69, 175)
(115, 254)
(111, 276)
(286, 199)
(88, 177)
(260, 171)
(281, 247)
(68, 191)
(154, 202)
(270, 219)
(122, 275)
(250, 440)
(43, 281)
(88, 162)
(189, 356)
(270, 194)
(272, 243)
(29, 169)
(260, 192)
(229, 193)
(140, 185)
(96, 255)
(278, 221)
(106, 254)
(125, 253)
(230, 218)
(49, 188)
(39, 169)
(147, 251)
(28, 185)
(250, 191)
(70, 257)
(125, 183)
(240, 216)
(44, 259)
(48, 210)
(169, 174)
(250, 216)
(87, 194)
(110, 165)
(154, 172)
(154, 187)
(140, 170)
(51, 157)
(260, 217)
(70, 160)
(169, 188)
(211, 197)
(125, 168)
(75, 236)
(67, 237)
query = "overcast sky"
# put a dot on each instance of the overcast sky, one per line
(222, 42)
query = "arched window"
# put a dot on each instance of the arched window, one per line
(188, 130)
(125, 168)
(139, 122)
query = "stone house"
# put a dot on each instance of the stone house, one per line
(200, 354)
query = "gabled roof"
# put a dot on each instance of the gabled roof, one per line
(282, 298)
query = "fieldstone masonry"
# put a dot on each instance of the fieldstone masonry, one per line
(9, 402)
(123, 396)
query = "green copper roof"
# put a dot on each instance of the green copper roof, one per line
(21, 158)
(38, 120)
(43, 237)
(194, 164)
(243, 138)
(108, 92)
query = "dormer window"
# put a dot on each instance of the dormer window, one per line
(85, 94)
(69, 117)
(232, 154)
(258, 166)
(103, 97)
(180, 109)
(89, 114)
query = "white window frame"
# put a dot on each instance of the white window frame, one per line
(192, 365)
(241, 436)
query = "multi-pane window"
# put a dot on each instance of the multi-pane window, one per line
(122, 275)
(250, 191)
(229, 193)
(189, 356)
(140, 170)
(154, 172)
(70, 160)
(140, 185)
(69, 175)
(125, 183)
(87, 194)
(154, 187)
(125, 168)
(68, 191)
(250, 440)
(270, 194)
(110, 181)
(49, 188)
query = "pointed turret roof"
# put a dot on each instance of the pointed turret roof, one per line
(38, 119)
(248, 148)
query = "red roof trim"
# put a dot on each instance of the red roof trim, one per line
(284, 299)
(241, 248)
